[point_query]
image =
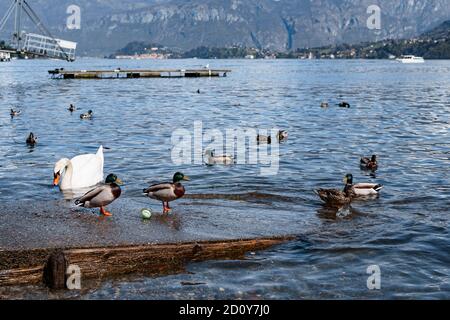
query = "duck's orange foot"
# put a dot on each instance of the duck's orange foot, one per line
(105, 213)
(166, 210)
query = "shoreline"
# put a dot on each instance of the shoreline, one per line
(125, 243)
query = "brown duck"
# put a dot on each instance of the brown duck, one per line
(369, 163)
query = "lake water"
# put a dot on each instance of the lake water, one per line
(399, 112)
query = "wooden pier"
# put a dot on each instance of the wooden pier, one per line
(138, 73)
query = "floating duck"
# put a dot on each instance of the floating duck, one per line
(82, 171)
(338, 198)
(167, 192)
(281, 136)
(369, 163)
(102, 196)
(344, 104)
(198, 91)
(87, 115)
(32, 139)
(324, 105)
(334, 197)
(362, 189)
(260, 138)
(14, 113)
(72, 108)
(212, 159)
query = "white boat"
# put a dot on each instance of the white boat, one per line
(410, 59)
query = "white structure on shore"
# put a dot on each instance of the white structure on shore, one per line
(49, 47)
(5, 56)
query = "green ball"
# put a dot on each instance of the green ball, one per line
(146, 213)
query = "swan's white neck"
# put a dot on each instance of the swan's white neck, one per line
(66, 176)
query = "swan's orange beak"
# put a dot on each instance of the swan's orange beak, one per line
(56, 178)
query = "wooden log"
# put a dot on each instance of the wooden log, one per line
(55, 270)
(152, 259)
(21, 276)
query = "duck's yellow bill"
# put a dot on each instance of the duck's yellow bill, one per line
(186, 178)
(119, 181)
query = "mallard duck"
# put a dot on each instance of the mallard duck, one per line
(344, 104)
(362, 189)
(102, 196)
(338, 198)
(14, 113)
(369, 163)
(32, 139)
(281, 136)
(324, 105)
(87, 115)
(211, 158)
(82, 171)
(72, 108)
(167, 192)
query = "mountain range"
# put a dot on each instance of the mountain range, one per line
(108, 25)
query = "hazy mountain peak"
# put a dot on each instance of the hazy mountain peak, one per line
(108, 25)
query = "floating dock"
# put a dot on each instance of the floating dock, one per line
(139, 73)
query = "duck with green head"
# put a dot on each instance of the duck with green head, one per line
(339, 198)
(102, 196)
(362, 189)
(167, 191)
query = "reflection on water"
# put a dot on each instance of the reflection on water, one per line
(401, 113)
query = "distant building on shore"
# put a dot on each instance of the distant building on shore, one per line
(143, 56)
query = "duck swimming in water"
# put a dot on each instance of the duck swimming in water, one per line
(32, 139)
(324, 105)
(212, 158)
(102, 196)
(87, 115)
(339, 198)
(14, 113)
(167, 191)
(369, 163)
(344, 104)
(281, 136)
(72, 108)
(362, 189)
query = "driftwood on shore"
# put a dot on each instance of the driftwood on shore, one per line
(100, 263)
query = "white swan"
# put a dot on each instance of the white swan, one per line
(80, 172)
